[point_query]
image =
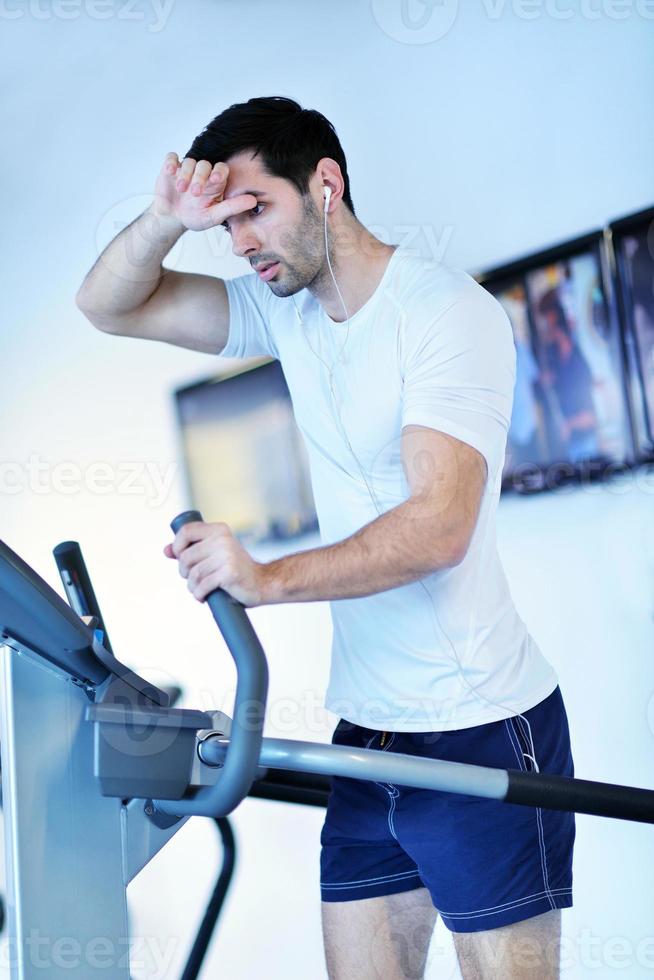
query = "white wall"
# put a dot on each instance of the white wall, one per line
(514, 129)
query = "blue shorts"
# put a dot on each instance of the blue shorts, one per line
(486, 863)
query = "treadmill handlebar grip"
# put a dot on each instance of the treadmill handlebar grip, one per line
(241, 765)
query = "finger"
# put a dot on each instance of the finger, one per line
(170, 164)
(168, 551)
(234, 205)
(196, 531)
(204, 580)
(195, 554)
(192, 540)
(219, 174)
(202, 570)
(185, 173)
(186, 535)
(200, 177)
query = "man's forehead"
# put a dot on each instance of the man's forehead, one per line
(247, 176)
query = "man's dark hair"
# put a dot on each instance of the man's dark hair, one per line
(289, 139)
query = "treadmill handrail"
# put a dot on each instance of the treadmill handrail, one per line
(241, 765)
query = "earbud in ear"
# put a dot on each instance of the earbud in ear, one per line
(326, 193)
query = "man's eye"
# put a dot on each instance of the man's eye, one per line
(225, 224)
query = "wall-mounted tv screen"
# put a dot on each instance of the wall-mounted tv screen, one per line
(633, 246)
(570, 412)
(246, 463)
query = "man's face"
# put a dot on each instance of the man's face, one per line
(283, 228)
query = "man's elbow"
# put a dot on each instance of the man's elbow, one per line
(457, 549)
(82, 300)
(82, 304)
(99, 322)
(457, 555)
(447, 543)
(444, 555)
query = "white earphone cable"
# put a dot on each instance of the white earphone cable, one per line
(531, 755)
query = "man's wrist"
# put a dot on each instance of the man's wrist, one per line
(270, 586)
(164, 220)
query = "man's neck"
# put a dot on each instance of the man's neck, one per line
(359, 261)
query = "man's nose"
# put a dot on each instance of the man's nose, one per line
(244, 241)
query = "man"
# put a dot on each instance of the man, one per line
(401, 373)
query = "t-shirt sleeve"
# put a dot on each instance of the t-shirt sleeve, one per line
(459, 374)
(250, 315)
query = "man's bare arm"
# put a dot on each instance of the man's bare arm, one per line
(129, 292)
(184, 309)
(429, 532)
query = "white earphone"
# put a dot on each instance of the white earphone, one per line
(327, 193)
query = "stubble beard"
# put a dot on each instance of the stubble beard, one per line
(304, 263)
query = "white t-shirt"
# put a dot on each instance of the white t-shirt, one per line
(430, 347)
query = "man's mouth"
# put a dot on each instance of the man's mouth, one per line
(266, 270)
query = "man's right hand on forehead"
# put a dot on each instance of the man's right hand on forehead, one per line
(191, 193)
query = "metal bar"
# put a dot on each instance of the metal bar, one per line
(581, 796)
(534, 789)
(340, 760)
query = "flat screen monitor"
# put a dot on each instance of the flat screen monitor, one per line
(633, 246)
(245, 459)
(570, 413)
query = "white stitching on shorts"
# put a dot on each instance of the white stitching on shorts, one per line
(384, 749)
(495, 909)
(391, 810)
(506, 725)
(359, 882)
(520, 722)
(395, 793)
(539, 815)
(541, 831)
